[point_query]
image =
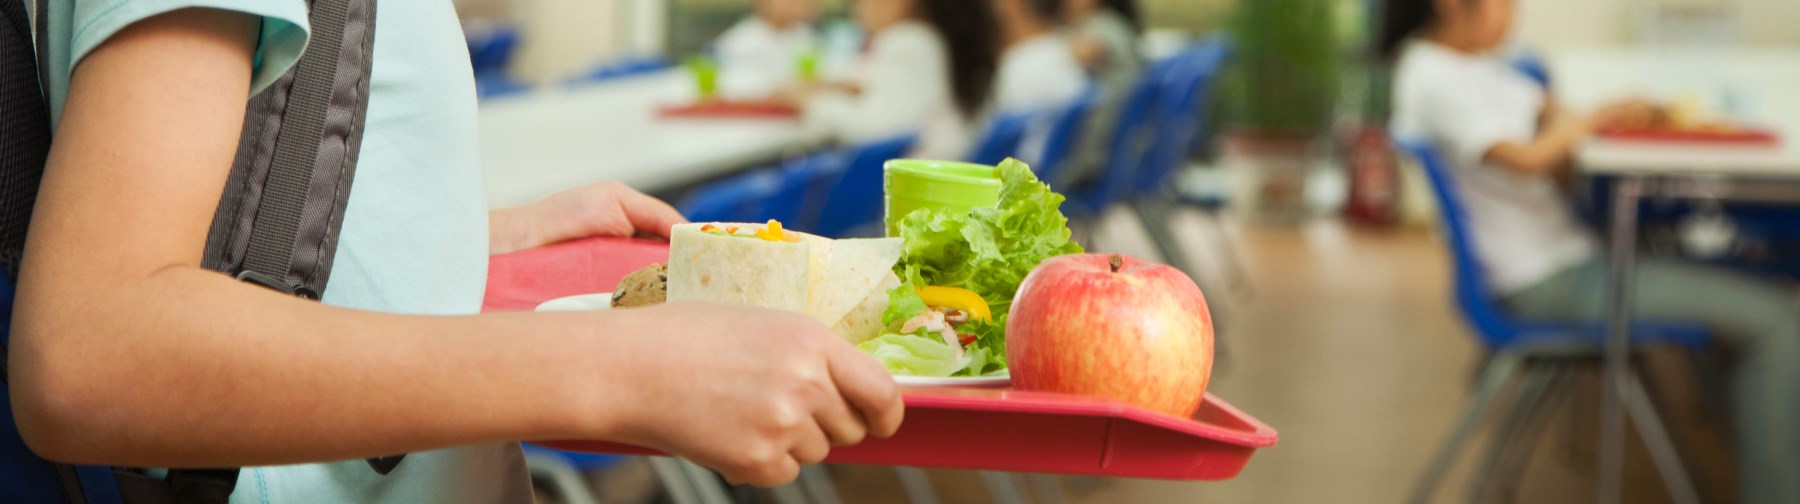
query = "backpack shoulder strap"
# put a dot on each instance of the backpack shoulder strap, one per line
(283, 205)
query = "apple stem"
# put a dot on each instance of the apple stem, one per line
(1117, 262)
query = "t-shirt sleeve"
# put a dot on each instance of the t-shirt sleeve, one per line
(283, 35)
(1465, 127)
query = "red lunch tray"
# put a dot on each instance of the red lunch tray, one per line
(730, 110)
(960, 428)
(1736, 137)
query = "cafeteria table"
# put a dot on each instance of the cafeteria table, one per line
(557, 138)
(1760, 87)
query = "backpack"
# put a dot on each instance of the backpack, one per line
(276, 224)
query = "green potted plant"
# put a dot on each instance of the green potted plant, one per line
(1280, 100)
(1285, 77)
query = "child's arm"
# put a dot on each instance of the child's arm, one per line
(1552, 148)
(604, 209)
(126, 352)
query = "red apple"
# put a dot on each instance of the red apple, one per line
(1112, 326)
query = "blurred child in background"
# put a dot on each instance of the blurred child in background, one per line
(1505, 142)
(1104, 37)
(928, 68)
(1037, 69)
(761, 53)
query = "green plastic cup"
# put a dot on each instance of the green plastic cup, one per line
(706, 76)
(807, 65)
(912, 184)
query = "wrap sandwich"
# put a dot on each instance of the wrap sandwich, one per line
(841, 283)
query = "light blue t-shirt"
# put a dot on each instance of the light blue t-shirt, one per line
(415, 233)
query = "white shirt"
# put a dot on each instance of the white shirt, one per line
(1038, 73)
(755, 58)
(905, 80)
(1522, 227)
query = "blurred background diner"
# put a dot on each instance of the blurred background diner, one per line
(1408, 216)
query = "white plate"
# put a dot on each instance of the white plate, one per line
(584, 302)
(603, 301)
(959, 381)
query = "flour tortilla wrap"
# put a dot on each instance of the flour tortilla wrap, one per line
(863, 323)
(828, 280)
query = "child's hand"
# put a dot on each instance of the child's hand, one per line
(752, 393)
(604, 209)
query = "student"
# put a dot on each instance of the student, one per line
(762, 53)
(1505, 141)
(928, 68)
(1104, 36)
(1038, 68)
(124, 351)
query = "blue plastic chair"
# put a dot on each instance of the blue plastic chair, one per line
(1125, 150)
(1538, 352)
(1002, 138)
(1183, 95)
(1066, 132)
(491, 49)
(1532, 65)
(805, 183)
(624, 68)
(743, 198)
(496, 84)
(853, 205)
(562, 471)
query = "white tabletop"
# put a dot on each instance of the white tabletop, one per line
(554, 139)
(1760, 86)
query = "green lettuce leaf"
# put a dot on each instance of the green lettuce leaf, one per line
(915, 355)
(986, 250)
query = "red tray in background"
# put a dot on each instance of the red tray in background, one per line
(984, 429)
(730, 110)
(1736, 137)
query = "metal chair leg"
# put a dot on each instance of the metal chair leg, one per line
(1520, 411)
(1003, 487)
(916, 484)
(675, 480)
(562, 476)
(817, 483)
(1156, 223)
(1497, 373)
(707, 486)
(1512, 465)
(1657, 442)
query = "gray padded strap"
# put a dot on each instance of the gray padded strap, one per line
(297, 149)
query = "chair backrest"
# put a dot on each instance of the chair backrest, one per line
(805, 183)
(492, 48)
(737, 199)
(1066, 131)
(1474, 296)
(1131, 138)
(1183, 96)
(1002, 138)
(855, 199)
(1528, 62)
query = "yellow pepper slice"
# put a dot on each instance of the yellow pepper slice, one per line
(961, 299)
(771, 232)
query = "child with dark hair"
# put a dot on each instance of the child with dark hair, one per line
(1037, 68)
(1505, 142)
(928, 68)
